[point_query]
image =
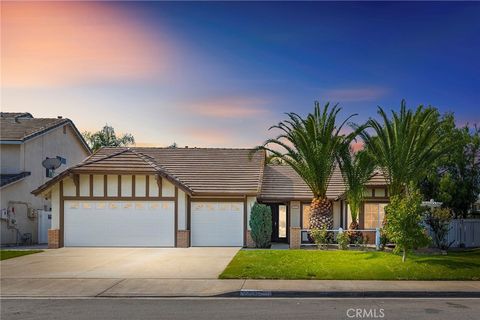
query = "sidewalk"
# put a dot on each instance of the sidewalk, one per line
(234, 288)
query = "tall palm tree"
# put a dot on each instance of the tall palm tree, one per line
(357, 169)
(405, 145)
(311, 146)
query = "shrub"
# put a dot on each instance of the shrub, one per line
(319, 236)
(261, 225)
(404, 222)
(438, 219)
(343, 240)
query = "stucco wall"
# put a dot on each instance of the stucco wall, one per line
(10, 158)
(29, 157)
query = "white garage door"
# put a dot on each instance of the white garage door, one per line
(119, 224)
(217, 223)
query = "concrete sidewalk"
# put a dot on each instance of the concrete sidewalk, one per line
(233, 288)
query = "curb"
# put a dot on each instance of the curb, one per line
(352, 294)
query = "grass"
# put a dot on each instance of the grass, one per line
(9, 254)
(352, 265)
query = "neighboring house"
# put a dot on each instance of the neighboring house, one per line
(25, 142)
(181, 197)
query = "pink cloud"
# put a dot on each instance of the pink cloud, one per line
(354, 94)
(50, 44)
(229, 108)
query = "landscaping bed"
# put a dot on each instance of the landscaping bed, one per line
(9, 254)
(352, 265)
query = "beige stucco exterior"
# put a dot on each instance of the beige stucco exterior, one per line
(28, 156)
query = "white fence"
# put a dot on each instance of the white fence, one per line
(464, 232)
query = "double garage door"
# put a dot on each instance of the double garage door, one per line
(150, 223)
(120, 224)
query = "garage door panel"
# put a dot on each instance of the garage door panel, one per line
(217, 224)
(119, 223)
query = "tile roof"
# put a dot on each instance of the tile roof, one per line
(6, 179)
(21, 129)
(199, 171)
(281, 182)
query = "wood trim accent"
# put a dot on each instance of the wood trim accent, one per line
(217, 199)
(61, 216)
(119, 198)
(245, 214)
(133, 186)
(105, 185)
(189, 212)
(119, 182)
(147, 185)
(158, 178)
(76, 182)
(91, 185)
(176, 215)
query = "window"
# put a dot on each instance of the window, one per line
(380, 193)
(374, 213)
(305, 216)
(367, 193)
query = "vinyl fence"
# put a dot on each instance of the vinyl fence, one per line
(464, 232)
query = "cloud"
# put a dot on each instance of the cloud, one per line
(58, 43)
(229, 108)
(354, 94)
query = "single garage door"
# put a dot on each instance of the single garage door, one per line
(217, 224)
(119, 223)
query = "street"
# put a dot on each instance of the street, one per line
(240, 308)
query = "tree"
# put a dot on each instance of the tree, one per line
(357, 169)
(107, 138)
(311, 146)
(405, 145)
(404, 221)
(261, 225)
(455, 177)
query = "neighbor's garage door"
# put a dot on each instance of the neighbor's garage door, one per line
(119, 224)
(217, 223)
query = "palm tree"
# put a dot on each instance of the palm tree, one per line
(311, 146)
(107, 138)
(406, 145)
(357, 169)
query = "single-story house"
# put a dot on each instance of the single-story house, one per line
(181, 197)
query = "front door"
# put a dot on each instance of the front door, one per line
(279, 223)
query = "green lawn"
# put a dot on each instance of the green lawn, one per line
(352, 265)
(9, 254)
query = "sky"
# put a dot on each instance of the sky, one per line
(220, 74)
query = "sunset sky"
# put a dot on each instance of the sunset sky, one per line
(219, 74)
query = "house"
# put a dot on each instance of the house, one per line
(181, 197)
(25, 142)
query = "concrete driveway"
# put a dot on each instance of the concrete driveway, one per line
(120, 263)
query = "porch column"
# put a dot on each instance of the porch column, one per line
(295, 237)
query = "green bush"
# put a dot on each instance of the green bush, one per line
(261, 225)
(438, 219)
(343, 240)
(319, 236)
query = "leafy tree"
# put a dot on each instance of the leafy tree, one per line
(311, 146)
(454, 178)
(357, 169)
(438, 219)
(404, 221)
(261, 225)
(107, 138)
(405, 145)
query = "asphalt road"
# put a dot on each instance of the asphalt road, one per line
(240, 308)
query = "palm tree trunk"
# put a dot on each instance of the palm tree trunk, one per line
(321, 214)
